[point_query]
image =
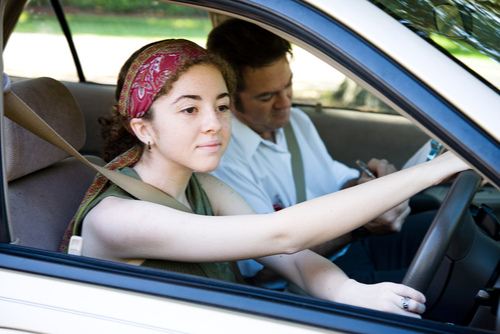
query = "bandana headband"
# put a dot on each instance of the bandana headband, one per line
(149, 72)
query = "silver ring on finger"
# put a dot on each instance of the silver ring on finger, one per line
(406, 302)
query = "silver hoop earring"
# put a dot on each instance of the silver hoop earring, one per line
(149, 146)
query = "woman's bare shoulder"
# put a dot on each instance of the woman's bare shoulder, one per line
(207, 179)
(224, 199)
(107, 211)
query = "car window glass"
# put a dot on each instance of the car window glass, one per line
(469, 31)
(105, 38)
(316, 82)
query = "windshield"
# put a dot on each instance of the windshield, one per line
(468, 30)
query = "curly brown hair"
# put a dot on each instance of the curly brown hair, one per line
(114, 127)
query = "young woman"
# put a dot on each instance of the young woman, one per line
(172, 118)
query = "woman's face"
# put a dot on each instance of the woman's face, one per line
(191, 126)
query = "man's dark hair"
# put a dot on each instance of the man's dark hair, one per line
(244, 44)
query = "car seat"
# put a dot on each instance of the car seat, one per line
(45, 185)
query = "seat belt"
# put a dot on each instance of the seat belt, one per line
(297, 163)
(19, 112)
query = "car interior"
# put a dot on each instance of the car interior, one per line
(42, 176)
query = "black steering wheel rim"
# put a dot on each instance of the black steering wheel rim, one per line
(442, 230)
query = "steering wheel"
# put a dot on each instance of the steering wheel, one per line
(454, 211)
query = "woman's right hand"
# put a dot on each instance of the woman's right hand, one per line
(386, 297)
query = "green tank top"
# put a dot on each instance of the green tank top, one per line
(200, 204)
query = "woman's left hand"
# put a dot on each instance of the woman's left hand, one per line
(386, 297)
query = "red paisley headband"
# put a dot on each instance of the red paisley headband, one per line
(149, 72)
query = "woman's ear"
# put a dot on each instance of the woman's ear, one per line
(141, 129)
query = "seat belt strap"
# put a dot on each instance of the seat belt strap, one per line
(297, 163)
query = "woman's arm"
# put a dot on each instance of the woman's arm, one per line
(119, 229)
(321, 278)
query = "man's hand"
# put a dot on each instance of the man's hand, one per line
(379, 168)
(391, 221)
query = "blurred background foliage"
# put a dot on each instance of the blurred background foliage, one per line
(120, 6)
(125, 18)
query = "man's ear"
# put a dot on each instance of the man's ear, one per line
(141, 129)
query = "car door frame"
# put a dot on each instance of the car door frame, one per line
(349, 49)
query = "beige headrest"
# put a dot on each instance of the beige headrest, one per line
(54, 103)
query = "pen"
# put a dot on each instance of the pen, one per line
(365, 168)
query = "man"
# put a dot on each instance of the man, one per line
(257, 162)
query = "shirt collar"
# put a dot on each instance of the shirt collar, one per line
(249, 141)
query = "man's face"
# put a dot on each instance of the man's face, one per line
(267, 98)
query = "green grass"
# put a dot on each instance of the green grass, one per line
(457, 48)
(119, 26)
